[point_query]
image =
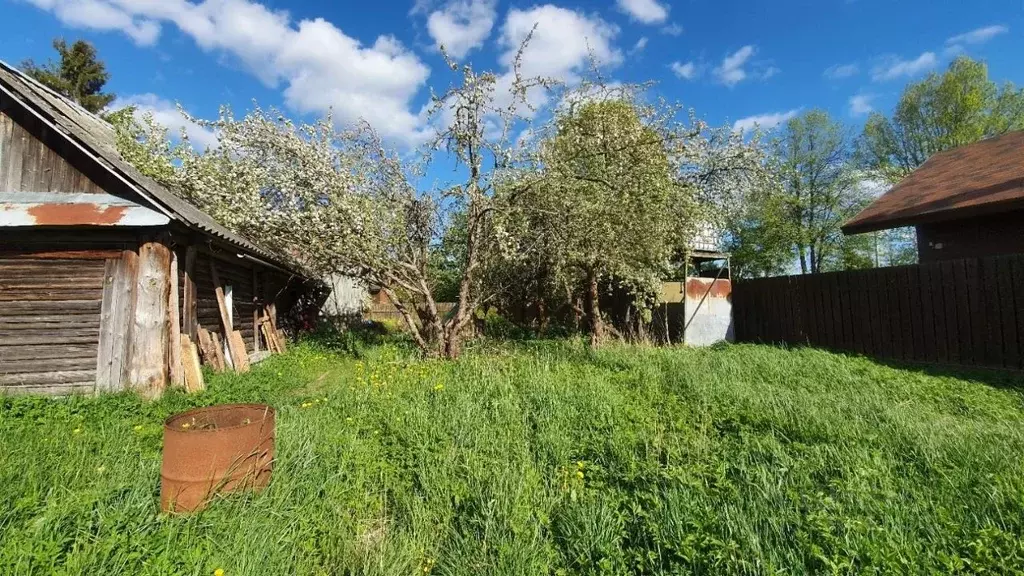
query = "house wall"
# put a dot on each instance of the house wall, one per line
(52, 285)
(970, 238)
(34, 159)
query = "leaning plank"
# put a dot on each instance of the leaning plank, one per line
(190, 322)
(240, 360)
(192, 371)
(234, 351)
(148, 363)
(209, 350)
(218, 351)
(174, 369)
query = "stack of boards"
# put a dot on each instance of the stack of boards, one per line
(211, 348)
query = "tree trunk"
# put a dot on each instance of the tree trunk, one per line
(594, 309)
(803, 258)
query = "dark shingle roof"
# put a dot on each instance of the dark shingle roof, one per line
(98, 139)
(981, 178)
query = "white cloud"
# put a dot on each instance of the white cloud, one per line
(639, 46)
(763, 121)
(672, 29)
(769, 72)
(166, 113)
(978, 35)
(686, 71)
(732, 71)
(319, 66)
(892, 67)
(462, 25)
(840, 71)
(646, 11)
(101, 15)
(860, 104)
(561, 43)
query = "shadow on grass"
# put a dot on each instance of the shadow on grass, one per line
(1006, 378)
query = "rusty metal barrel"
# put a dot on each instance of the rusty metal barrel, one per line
(213, 450)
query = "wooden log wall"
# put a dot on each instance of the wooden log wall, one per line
(965, 312)
(234, 272)
(51, 294)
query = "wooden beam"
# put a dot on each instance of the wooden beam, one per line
(255, 310)
(234, 349)
(190, 318)
(174, 358)
(239, 358)
(209, 350)
(148, 365)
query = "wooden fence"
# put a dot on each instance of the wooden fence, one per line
(968, 312)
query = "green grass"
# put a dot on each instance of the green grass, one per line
(542, 458)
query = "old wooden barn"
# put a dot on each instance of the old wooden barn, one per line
(102, 269)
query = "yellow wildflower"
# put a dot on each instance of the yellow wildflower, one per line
(101, 469)
(218, 572)
(186, 424)
(349, 419)
(138, 427)
(76, 431)
(439, 387)
(579, 474)
(306, 404)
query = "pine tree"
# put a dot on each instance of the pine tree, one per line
(78, 74)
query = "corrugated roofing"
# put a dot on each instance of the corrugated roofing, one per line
(98, 138)
(973, 180)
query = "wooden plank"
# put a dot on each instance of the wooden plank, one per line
(175, 374)
(916, 299)
(28, 330)
(6, 133)
(148, 363)
(239, 358)
(53, 321)
(190, 321)
(98, 254)
(218, 350)
(225, 317)
(993, 319)
(951, 309)
(930, 348)
(46, 340)
(1017, 270)
(964, 333)
(15, 152)
(976, 311)
(193, 373)
(63, 389)
(115, 322)
(1008, 311)
(53, 377)
(94, 295)
(209, 350)
(937, 288)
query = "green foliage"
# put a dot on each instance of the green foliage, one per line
(541, 458)
(943, 111)
(78, 74)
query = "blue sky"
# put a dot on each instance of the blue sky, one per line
(733, 62)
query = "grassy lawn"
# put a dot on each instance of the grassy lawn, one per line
(541, 458)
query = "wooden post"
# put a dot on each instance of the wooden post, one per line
(190, 320)
(174, 360)
(190, 365)
(147, 368)
(117, 311)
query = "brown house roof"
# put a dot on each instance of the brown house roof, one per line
(973, 180)
(98, 140)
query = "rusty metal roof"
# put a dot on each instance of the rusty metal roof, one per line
(981, 178)
(97, 138)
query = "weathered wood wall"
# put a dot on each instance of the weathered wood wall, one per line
(34, 160)
(968, 312)
(51, 294)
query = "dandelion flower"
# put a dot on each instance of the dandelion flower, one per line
(138, 427)
(349, 419)
(101, 469)
(76, 431)
(439, 387)
(218, 572)
(579, 474)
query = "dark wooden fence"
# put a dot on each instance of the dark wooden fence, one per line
(968, 312)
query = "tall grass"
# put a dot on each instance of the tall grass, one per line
(541, 458)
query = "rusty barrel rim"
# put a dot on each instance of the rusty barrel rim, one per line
(171, 421)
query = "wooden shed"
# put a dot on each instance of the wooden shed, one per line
(102, 269)
(966, 202)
